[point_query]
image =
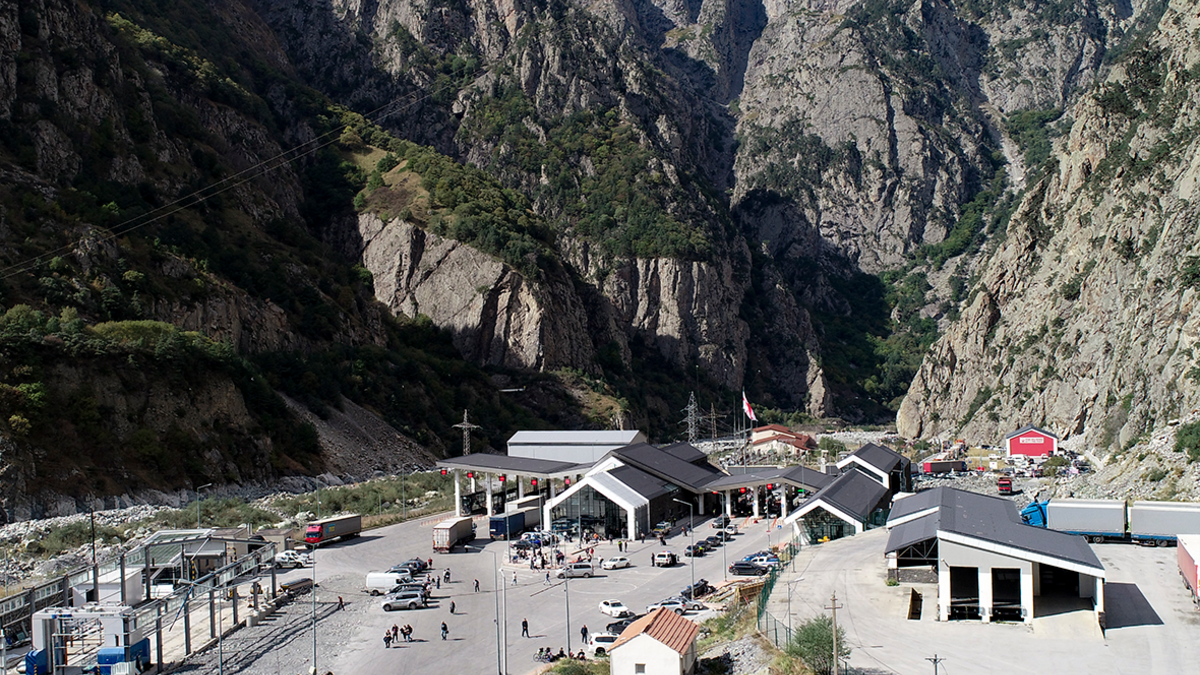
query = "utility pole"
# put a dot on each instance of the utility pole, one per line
(835, 607)
(935, 661)
(693, 419)
(466, 427)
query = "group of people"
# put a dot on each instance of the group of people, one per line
(544, 654)
(397, 632)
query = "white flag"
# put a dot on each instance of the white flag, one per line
(747, 409)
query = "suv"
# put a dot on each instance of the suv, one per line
(670, 604)
(746, 567)
(662, 529)
(598, 643)
(403, 600)
(291, 559)
(579, 569)
(665, 559)
(701, 587)
(721, 522)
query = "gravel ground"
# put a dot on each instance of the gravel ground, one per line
(744, 656)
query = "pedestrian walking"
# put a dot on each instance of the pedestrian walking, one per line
(445, 630)
(395, 631)
(451, 606)
(514, 577)
(583, 633)
(341, 603)
(476, 585)
(439, 582)
(547, 583)
(408, 631)
(524, 628)
(387, 639)
(447, 575)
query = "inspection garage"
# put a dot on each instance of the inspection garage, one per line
(990, 566)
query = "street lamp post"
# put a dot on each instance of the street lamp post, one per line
(314, 605)
(206, 485)
(498, 583)
(691, 531)
(790, 585)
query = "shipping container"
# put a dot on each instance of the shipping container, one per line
(452, 532)
(1096, 519)
(1161, 522)
(1189, 562)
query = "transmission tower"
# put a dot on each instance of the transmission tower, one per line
(466, 427)
(693, 419)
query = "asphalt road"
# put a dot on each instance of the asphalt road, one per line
(350, 641)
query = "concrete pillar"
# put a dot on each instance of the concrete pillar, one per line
(187, 628)
(756, 501)
(158, 646)
(124, 599)
(488, 486)
(631, 529)
(1029, 584)
(944, 592)
(457, 494)
(700, 509)
(212, 615)
(985, 594)
(520, 488)
(552, 491)
(235, 604)
(1098, 598)
(728, 504)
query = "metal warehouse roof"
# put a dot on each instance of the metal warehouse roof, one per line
(989, 519)
(639, 481)
(581, 437)
(801, 476)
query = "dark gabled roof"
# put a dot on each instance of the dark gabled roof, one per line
(922, 501)
(1030, 427)
(884, 459)
(640, 482)
(806, 476)
(685, 451)
(907, 534)
(854, 493)
(504, 464)
(990, 519)
(667, 466)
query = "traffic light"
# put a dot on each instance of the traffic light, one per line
(533, 482)
(743, 490)
(567, 482)
(770, 486)
(443, 472)
(502, 478)
(470, 474)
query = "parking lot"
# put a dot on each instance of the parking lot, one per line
(1152, 625)
(351, 640)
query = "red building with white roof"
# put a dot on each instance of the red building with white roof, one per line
(1031, 442)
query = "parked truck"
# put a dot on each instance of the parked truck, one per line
(1147, 523)
(1189, 563)
(1004, 486)
(450, 533)
(507, 525)
(944, 466)
(326, 530)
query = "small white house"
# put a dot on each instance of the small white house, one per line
(660, 643)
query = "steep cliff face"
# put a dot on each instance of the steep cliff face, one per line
(1084, 319)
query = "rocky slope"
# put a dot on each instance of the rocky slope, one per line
(1083, 320)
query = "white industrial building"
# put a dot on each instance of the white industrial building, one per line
(660, 643)
(989, 565)
(577, 447)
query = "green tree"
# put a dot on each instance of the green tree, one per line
(813, 644)
(1051, 466)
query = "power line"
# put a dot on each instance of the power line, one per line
(225, 184)
(835, 607)
(935, 661)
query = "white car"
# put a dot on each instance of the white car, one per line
(615, 608)
(293, 559)
(600, 643)
(672, 605)
(404, 600)
(615, 563)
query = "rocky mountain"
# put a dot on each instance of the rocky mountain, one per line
(397, 208)
(1083, 319)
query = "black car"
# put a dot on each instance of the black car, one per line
(420, 564)
(721, 521)
(745, 567)
(701, 587)
(619, 626)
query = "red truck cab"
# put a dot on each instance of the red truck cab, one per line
(1004, 485)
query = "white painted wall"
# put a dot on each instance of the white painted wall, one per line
(951, 554)
(658, 658)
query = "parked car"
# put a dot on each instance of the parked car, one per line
(665, 559)
(405, 568)
(417, 564)
(422, 588)
(616, 562)
(747, 568)
(619, 627)
(711, 542)
(724, 535)
(720, 522)
(695, 550)
(614, 608)
(765, 560)
(403, 600)
(378, 583)
(662, 528)
(669, 604)
(599, 643)
(292, 559)
(701, 587)
(757, 554)
(731, 530)
(689, 605)
(579, 569)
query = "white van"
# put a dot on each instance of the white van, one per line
(579, 569)
(379, 583)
